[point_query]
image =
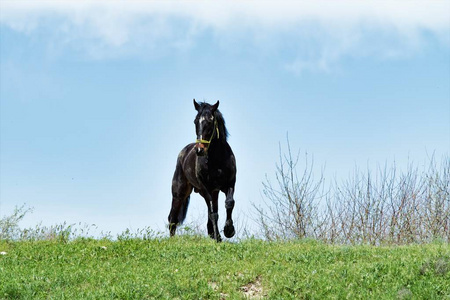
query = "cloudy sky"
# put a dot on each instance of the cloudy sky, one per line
(96, 96)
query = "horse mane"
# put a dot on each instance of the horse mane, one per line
(223, 132)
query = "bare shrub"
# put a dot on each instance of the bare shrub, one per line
(373, 208)
(291, 206)
(391, 206)
(385, 206)
(436, 210)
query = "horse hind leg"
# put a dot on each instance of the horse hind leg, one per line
(181, 191)
(229, 230)
(177, 213)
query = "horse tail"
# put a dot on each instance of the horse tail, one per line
(183, 210)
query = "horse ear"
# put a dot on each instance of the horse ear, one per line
(196, 105)
(215, 106)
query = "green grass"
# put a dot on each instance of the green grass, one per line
(190, 267)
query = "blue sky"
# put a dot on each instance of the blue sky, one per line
(96, 97)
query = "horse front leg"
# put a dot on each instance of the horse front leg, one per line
(213, 216)
(229, 205)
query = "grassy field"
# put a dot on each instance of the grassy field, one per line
(190, 267)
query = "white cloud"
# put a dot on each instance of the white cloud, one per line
(320, 31)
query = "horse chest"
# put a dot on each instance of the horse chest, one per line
(209, 174)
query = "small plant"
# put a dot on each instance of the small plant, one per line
(9, 225)
(10, 229)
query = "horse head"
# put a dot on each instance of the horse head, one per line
(206, 126)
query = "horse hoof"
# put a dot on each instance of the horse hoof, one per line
(228, 230)
(218, 239)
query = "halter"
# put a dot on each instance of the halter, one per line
(216, 128)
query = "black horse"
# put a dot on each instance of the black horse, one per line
(207, 166)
